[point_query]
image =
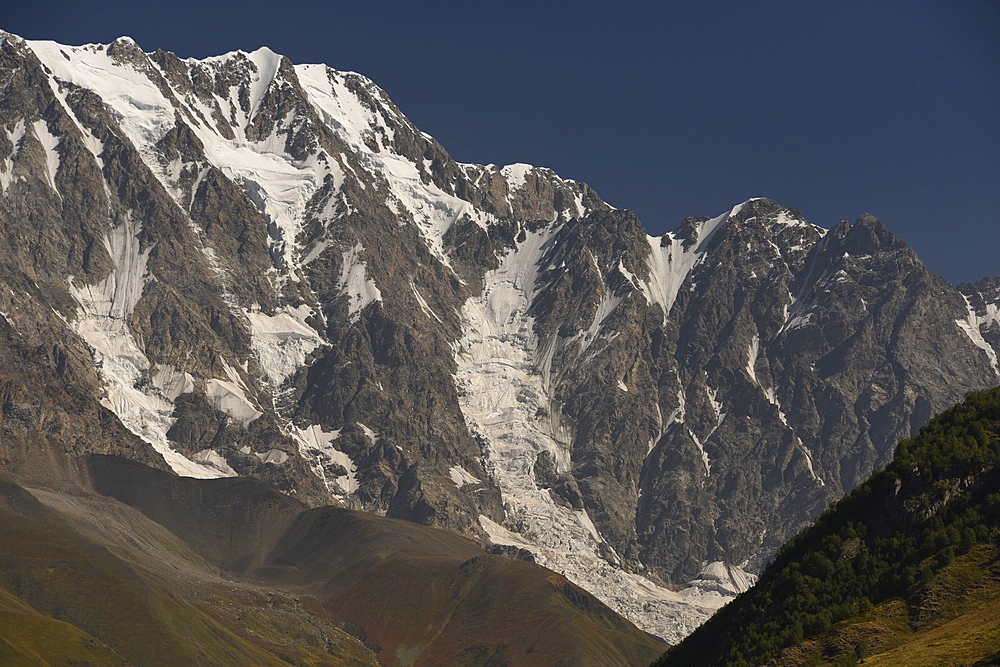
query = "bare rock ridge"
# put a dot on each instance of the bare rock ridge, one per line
(240, 266)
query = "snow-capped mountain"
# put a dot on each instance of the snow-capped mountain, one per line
(241, 266)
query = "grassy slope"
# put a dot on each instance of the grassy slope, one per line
(902, 571)
(167, 570)
(28, 638)
(957, 616)
(78, 590)
(423, 596)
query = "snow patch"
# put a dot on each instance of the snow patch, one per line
(516, 175)
(370, 434)
(316, 447)
(785, 219)
(272, 456)
(229, 398)
(282, 341)
(423, 303)
(210, 457)
(809, 461)
(799, 320)
(716, 405)
(991, 318)
(50, 143)
(267, 62)
(318, 249)
(460, 476)
(16, 136)
(171, 382)
(678, 413)
(500, 535)
(584, 519)
(608, 304)
(752, 353)
(102, 321)
(701, 450)
(670, 262)
(972, 324)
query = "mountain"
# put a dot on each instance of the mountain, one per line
(239, 266)
(160, 569)
(904, 570)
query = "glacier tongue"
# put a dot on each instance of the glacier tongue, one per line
(720, 581)
(506, 401)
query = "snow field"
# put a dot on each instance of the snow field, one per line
(282, 341)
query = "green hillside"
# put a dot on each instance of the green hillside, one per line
(904, 570)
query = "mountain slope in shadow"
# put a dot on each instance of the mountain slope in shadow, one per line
(152, 568)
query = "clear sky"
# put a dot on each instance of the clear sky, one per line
(669, 108)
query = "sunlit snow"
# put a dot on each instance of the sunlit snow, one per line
(971, 326)
(50, 143)
(671, 262)
(460, 476)
(516, 174)
(432, 210)
(282, 341)
(355, 283)
(16, 136)
(316, 447)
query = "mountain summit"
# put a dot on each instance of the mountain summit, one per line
(239, 266)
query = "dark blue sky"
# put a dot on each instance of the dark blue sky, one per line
(670, 109)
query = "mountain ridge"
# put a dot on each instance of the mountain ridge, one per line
(269, 271)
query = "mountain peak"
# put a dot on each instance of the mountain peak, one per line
(868, 235)
(249, 269)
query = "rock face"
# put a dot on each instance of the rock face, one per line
(241, 266)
